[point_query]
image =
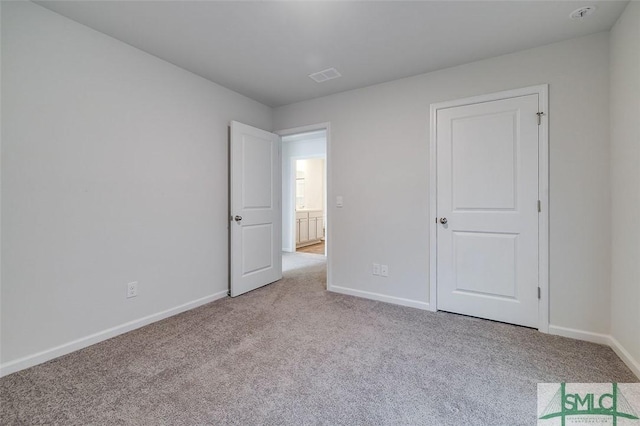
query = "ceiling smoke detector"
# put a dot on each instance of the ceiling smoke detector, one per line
(583, 12)
(325, 75)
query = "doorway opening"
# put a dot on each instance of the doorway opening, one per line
(304, 192)
(306, 188)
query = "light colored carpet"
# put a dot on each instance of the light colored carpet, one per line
(293, 353)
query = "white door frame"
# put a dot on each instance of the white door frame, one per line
(329, 189)
(543, 192)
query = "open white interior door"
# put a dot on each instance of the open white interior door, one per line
(255, 228)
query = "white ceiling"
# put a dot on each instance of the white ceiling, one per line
(266, 50)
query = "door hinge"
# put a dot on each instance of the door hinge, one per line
(539, 293)
(539, 114)
(539, 206)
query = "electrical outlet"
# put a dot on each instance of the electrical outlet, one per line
(376, 269)
(384, 270)
(132, 289)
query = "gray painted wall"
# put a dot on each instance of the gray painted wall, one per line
(625, 180)
(114, 169)
(380, 164)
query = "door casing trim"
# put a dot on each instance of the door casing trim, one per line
(543, 192)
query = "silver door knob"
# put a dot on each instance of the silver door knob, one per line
(443, 220)
(238, 218)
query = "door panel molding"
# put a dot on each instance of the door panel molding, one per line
(543, 191)
(255, 209)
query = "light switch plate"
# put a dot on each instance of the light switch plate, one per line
(376, 269)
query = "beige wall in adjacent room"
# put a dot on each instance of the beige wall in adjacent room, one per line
(313, 169)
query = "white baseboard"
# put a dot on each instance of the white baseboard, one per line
(625, 356)
(83, 342)
(49, 354)
(603, 339)
(380, 297)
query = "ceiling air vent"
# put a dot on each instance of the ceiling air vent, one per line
(583, 12)
(324, 75)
